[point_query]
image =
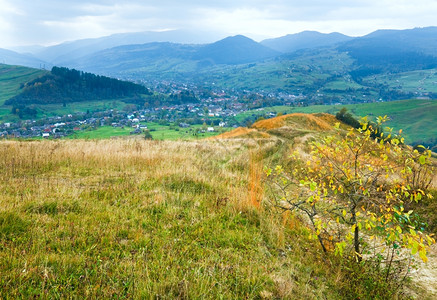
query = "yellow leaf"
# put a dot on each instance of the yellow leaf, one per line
(422, 254)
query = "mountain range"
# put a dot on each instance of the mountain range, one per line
(239, 49)
(239, 60)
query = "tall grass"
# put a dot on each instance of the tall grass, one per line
(149, 219)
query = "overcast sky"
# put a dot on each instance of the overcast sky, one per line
(47, 22)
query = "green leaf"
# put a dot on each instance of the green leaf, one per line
(313, 186)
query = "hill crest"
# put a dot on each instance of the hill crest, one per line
(319, 122)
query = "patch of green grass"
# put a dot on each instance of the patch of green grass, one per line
(102, 132)
(12, 225)
(11, 77)
(342, 85)
(158, 132)
(49, 110)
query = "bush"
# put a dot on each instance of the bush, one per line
(347, 118)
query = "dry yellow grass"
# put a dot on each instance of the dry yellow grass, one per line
(144, 219)
(319, 122)
(241, 132)
(296, 121)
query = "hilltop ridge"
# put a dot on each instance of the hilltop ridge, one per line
(284, 126)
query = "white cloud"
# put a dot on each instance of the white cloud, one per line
(52, 21)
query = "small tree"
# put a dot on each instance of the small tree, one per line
(346, 117)
(357, 189)
(148, 135)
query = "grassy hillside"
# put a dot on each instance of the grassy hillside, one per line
(417, 118)
(133, 219)
(420, 81)
(11, 77)
(130, 218)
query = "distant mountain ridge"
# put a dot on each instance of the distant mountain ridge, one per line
(397, 50)
(303, 63)
(68, 51)
(9, 57)
(235, 50)
(231, 50)
(133, 57)
(305, 40)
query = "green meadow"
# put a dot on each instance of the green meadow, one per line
(158, 132)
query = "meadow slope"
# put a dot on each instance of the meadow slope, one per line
(133, 219)
(129, 218)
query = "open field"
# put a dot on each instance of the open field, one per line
(158, 132)
(420, 81)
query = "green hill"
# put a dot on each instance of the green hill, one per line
(305, 40)
(235, 50)
(63, 85)
(417, 118)
(12, 78)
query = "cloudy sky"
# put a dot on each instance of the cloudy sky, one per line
(47, 22)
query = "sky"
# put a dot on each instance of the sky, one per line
(49, 22)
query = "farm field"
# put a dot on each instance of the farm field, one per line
(420, 81)
(158, 132)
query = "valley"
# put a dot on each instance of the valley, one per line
(152, 166)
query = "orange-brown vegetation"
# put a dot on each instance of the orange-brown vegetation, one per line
(241, 132)
(256, 185)
(319, 122)
(298, 121)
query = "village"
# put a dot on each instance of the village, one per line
(216, 111)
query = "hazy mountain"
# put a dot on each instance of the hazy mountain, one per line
(235, 50)
(422, 40)
(304, 40)
(164, 56)
(13, 58)
(134, 57)
(397, 50)
(68, 51)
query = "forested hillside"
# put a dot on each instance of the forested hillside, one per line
(63, 85)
